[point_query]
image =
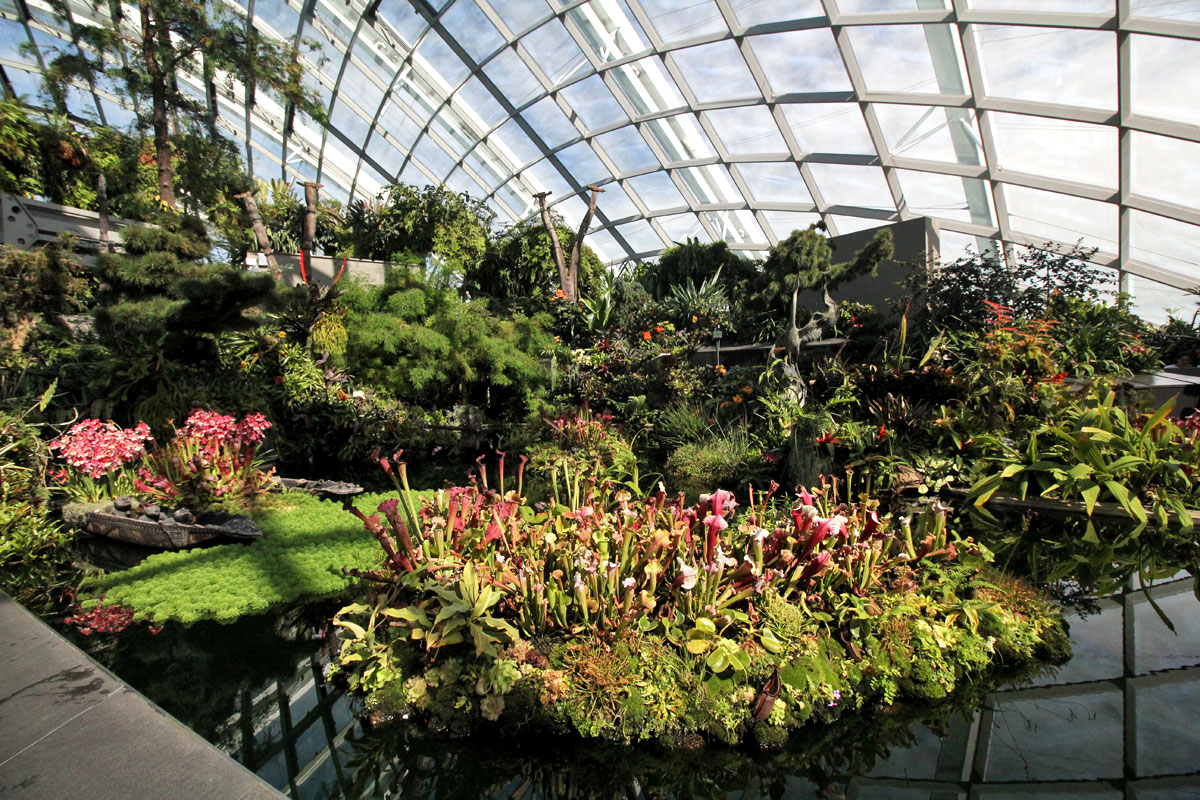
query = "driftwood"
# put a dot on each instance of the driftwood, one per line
(167, 533)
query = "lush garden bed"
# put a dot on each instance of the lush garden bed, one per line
(634, 618)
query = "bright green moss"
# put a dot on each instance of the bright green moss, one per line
(306, 542)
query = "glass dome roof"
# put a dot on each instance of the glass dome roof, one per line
(1024, 121)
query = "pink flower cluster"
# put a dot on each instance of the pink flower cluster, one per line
(97, 448)
(212, 428)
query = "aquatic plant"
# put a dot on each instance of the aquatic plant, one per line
(633, 618)
(306, 543)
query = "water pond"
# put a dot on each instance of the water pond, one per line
(1117, 721)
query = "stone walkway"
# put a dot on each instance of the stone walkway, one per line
(71, 729)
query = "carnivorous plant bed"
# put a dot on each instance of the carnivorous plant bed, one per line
(643, 618)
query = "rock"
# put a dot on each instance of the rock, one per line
(122, 505)
(184, 516)
(151, 512)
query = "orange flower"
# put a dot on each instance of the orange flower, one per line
(658, 329)
(737, 398)
(646, 335)
(695, 318)
(747, 390)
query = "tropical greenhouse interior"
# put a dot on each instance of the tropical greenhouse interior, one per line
(599, 398)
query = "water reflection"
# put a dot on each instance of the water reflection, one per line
(1116, 721)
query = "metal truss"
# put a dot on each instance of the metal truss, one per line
(734, 120)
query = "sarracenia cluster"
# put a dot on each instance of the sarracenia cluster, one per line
(477, 564)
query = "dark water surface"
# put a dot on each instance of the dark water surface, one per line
(1120, 720)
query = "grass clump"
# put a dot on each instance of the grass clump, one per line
(306, 542)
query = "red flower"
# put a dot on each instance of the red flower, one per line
(882, 434)
(646, 335)
(658, 329)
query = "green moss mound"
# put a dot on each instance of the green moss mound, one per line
(306, 542)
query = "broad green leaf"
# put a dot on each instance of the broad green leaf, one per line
(1090, 495)
(705, 625)
(770, 642)
(353, 627)
(1090, 536)
(697, 646)
(718, 661)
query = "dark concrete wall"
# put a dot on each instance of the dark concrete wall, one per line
(912, 240)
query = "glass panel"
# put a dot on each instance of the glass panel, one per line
(775, 183)
(1182, 10)
(543, 177)
(460, 181)
(347, 120)
(1062, 218)
(473, 31)
(513, 78)
(517, 197)
(801, 61)
(610, 30)
(1056, 148)
(682, 227)
(932, 133)
(512, 142)
(1165, 243)
(449, 67)
(487, 167)
(398, 126)
(782, 223)
(829, 128)
(681, 138)
(548, 120)
(384, 153)
(656, 191)
(710, 184)
(841, 184)
(456, 136)
(401, 17)
(1156, 169)
(716, 72)
(614, 203)
(877, 6)
(555, 52)
(582, 164)
(435, 160)
(677, 20)
(846, 225)
(361, 89)
(946, 196)
(627, 149)
(900, 58)
(1159, 90)
(736, 227)
(1035, 740)
(755, 12)
(519, 16)
(477, 104)
(747, 130)
(647, 86)
(591, 100)
(641, 237)
(1154, 301)
(605, 246)
(281, 18)
(1071, 6)
(1049, 65)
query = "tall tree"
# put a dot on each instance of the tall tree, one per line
(145, 54)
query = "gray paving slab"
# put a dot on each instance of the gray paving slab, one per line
(71, 729)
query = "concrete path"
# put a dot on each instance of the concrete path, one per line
(71, 729)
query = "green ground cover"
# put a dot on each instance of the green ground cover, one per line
(305, 544)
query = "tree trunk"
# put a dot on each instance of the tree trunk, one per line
(260, 231)
(102, 201)
(577, 245)
(564, 279)
(152, 30)
(310, 223)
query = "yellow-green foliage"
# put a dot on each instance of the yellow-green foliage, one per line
(305, 544)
